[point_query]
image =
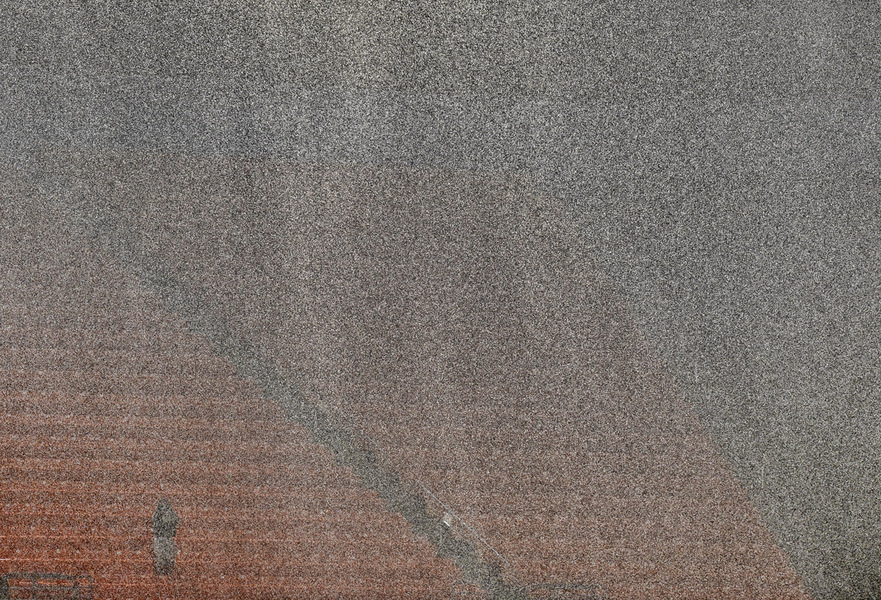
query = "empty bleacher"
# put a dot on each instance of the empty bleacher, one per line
(108, 403)
(457, 320)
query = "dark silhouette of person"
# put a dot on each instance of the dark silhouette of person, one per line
(164, 523)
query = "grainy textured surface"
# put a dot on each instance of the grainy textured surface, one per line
(457, 319)
(722, 160)
(108, 403)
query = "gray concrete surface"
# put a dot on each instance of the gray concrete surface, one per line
(723, 161)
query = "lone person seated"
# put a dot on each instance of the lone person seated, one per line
(164, 527)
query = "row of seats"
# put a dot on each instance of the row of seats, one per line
(491, 362)
(108, 403)
(459, 321)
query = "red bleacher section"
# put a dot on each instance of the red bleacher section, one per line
(107, 403)
(459, 321)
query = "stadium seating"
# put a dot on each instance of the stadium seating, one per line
(108, 403)
(456, 320)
